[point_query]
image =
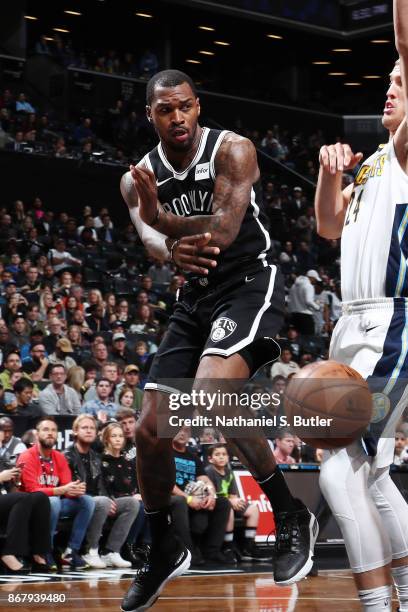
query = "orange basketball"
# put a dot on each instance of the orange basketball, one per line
(328, 404)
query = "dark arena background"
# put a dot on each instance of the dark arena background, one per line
(290, 75)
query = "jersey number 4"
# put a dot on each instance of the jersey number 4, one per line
(354, 211)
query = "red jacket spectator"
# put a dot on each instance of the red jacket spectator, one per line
(38, 474)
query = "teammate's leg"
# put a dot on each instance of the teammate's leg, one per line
(294, 554)
(344, 483)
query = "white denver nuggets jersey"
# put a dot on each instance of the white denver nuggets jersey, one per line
(374, 242)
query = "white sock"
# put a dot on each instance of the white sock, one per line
(68, 551)
(94, 552)
(400, 576)
(250, 533)
(228, 536)
(377, 600)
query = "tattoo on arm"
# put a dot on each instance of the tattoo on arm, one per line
(236, 172)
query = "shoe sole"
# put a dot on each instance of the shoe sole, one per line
(304, 571)
(177, 572)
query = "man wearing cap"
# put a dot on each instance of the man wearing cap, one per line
(131, 378)
(57, 397)
(302, 302)
(63, 349)
(297, 203)
(120, 353)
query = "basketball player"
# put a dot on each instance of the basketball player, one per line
(370, 215)
(199, 181)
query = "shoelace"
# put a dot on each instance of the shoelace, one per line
(287, 534)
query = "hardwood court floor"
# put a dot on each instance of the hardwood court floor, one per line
(332, 590)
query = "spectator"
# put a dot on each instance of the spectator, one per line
(12, 364)
(126, 397)
(19, 334)
(285, 443)
(401, 448)
(23, 390)
(60, 258)
(127, 419)
(302, 304)
(101, 407)
(160, 272)
(26, 518)
(131, 380)
(55, 334)
(120, 353)
(222, 477)
(46, 470)
(22, 105)
(11, 445)
(119, 474)
(100, 354)
(57, 397)
(284, 366)
(208, 515)
(61, 355)
(86, 466)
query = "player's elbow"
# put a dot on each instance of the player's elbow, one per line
(328, 231)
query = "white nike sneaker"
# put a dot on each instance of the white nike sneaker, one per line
(94, 561)
(113, 559)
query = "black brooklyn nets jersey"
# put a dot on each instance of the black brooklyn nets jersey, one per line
(190, 192)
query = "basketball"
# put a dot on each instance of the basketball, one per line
(328, 404)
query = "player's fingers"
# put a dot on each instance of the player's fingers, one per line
(196, 238)
(348, 154)
(198, 260)
(324, 157)
(339, 157)
(192, 249)
(332, 160)
(195, 269)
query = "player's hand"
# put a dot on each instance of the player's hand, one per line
(113, 508)
(145, 185)
(338, 158)
(192, 253)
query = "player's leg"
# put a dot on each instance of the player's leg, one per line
(344, 483)
(297, 528)
(177, 358)
(394, 513)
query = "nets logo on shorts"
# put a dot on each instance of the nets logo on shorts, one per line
(222, 328)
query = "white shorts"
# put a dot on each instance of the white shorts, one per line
(372, 337)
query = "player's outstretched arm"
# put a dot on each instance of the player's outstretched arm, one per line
(191, 253)
(330, 200)
(236, 171)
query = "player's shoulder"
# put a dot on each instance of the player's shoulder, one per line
(235, 147)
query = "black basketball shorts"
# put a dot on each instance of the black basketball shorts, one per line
(240, 314)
